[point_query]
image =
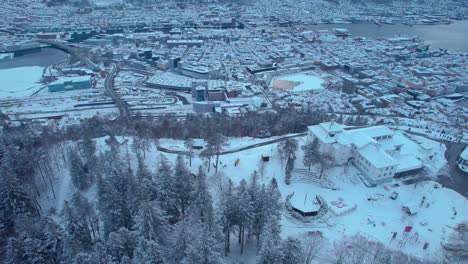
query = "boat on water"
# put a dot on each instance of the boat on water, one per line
(6, 56)
(434, 22)
(341, 32)
(335, 21)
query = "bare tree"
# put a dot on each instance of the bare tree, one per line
(326, 161)
(215, 145)
(280, 153)
(261, 167)
(312, 246)
(287, 148)
(340, 252)
(189, 146)
(456, 247)
(311, 153)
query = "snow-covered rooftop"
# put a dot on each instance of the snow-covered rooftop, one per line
(375, 131)
(377, 156)
(304, 201)
(407, 163)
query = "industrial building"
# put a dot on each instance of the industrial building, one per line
(70, 83)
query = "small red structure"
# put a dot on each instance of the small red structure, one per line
(408, 229)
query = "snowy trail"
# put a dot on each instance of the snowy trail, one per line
(261, 144)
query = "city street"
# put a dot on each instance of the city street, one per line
(457, 180)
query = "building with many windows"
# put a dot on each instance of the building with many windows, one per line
(377, 152)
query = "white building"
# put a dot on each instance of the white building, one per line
(463, 160)
(375, 151)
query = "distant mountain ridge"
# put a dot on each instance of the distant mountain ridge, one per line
(84, 3)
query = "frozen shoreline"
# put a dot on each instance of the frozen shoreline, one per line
(20, 82)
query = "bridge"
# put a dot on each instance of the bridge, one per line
(59, 45)
(108, 82)
(109, 87)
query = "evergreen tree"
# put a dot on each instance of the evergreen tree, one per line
(274, 200)
(260, 203)
(78, 237)
(245, 211)
(279, 149)
(148, 251)
(203, 247)
(254, 186)
(189, 146)
(151, 223)
(287, 148)
(292, 251)
(137, 145)
(88, 150)
(97, 255)
(183, 185)
(272, 211)
(215, 145)
(166, 191)
(14, 200)
(142, 170)
(113, 195)
(79, 172)
(203, 202)
(179, 242)
(311, 153)
(121, 244)
(37, 241)
(288, 170)
(270, 251)
(83, 208)
(227, 214)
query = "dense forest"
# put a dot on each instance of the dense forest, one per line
(140, 214)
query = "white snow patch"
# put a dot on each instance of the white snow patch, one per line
(19, 82)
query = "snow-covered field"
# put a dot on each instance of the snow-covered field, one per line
(301, 82)
(438, 209)
(20, 82)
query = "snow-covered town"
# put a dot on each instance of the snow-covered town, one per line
(238, 132)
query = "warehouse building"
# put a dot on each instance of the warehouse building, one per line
(70, 83)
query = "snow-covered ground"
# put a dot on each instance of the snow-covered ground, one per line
(20, 82)
(433, 222)
(438, 209)
(304, 82)
(231, 145)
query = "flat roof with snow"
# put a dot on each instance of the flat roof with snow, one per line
(407, 163)
(305, 202)
(382, 160)
(375, 131)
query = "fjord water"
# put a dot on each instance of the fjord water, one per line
(453, 37)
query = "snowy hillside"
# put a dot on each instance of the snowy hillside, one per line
(379, 220)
